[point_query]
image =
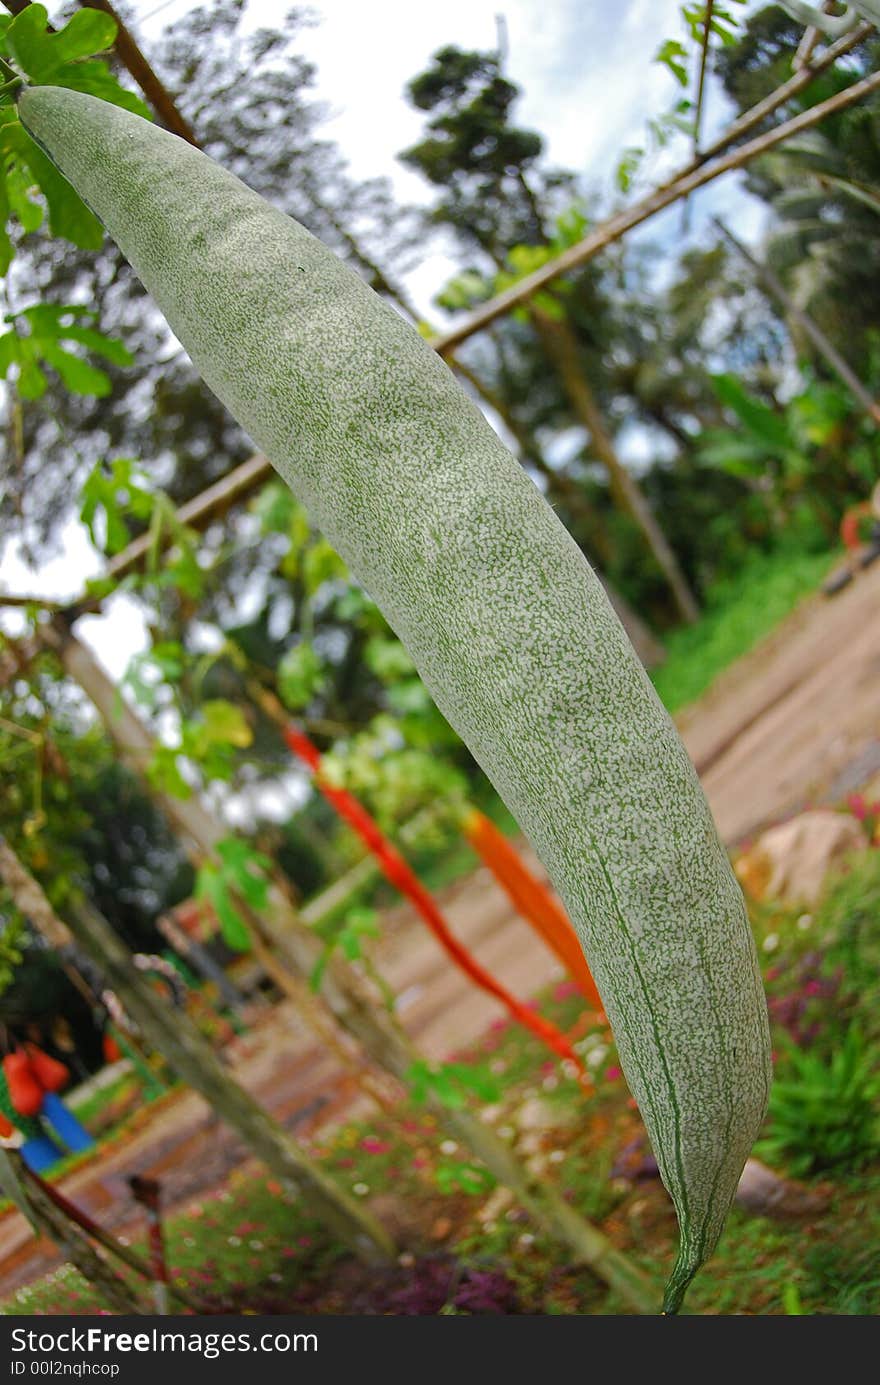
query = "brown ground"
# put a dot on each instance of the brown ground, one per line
(795, 722)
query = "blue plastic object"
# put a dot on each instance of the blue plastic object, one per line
(40, 1153)
(65, 1124)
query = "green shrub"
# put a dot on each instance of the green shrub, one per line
(823, 1113)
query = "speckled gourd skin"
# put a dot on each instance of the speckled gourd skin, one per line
(507, 624)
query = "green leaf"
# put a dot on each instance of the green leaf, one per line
(76, 374)
(69, 216)
(224, 722)
(276, 508)
(449, 1083)
(674, 56)
(108, 348)
(7, 249)
(463, 1177)
(387, 658)
(10, 352)
(114, 496)
(244, 870)
(164, 774)
(300, 674)
(765, 424)
(66, 58)
(165, 659)
(184, 573)
(41, 54)
(410, 697)
(45, 327)
(464, 291)
(212, 885)
(728, 450)
(321, 563)
(18, 188)
(630, 160)
(32, 382)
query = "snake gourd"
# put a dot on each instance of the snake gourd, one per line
(505, 620)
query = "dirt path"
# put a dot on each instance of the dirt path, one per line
(796, 721)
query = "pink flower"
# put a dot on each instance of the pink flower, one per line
(372, 1145)
(565, 990)
(613, 1073)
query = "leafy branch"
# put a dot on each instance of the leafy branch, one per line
(63, 58)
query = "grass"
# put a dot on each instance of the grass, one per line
(91, 1107)
(738, 613)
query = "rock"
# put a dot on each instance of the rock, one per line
(532, 1142)
(535, 1114)
(790, 863)
(635, 1162)
(768, 1194)
(495, 1205)
(761, 1191)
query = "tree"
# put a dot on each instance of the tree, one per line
(824, 188)
(497, 196)
(248, 97)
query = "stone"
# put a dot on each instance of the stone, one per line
(765, 1193)
(790, 863)
(495, 1206)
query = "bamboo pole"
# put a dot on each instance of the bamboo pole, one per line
(174, 1035)
(199, 833)
(776, 98)
(657, 201)
(46, 1219)
(243, 479)
(560, 344)
(356, 1009)
(826, 348)
(810, 37)
(104, 1239)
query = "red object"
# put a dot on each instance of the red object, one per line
(6, 1127)
(849, 526)
(147, 1191)
(396, 869)
(112, 1051)
(531, 898)
(25, 1092)
(51, 1075)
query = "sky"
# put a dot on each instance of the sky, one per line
(589, 85)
